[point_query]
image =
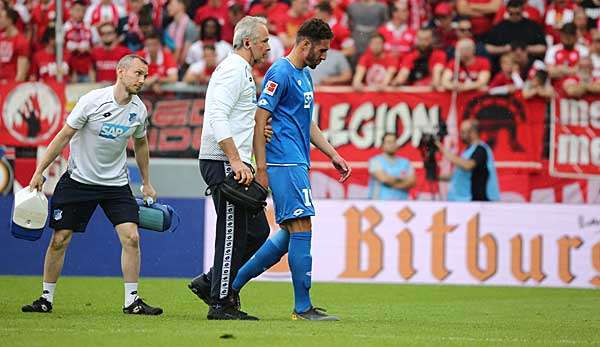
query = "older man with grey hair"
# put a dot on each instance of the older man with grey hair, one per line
(226, 147)
(98, 130)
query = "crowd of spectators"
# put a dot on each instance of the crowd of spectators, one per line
(538, 46)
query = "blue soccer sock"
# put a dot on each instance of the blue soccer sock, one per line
(266, 256)
(301, 266)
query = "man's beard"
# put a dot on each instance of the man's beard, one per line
(569, 47)
(312, 60)
(132, 90)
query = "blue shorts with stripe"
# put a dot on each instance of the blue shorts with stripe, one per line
(292, 196)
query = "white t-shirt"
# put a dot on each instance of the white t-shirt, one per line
(98, 148)
(229, 108)
(196, 51)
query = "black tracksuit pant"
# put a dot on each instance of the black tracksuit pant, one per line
(238, 235)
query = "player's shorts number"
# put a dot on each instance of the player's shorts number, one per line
(307, 196)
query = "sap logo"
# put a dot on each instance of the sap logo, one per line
(308, 97)
(298, 212)
(132, 117)
(112, 131)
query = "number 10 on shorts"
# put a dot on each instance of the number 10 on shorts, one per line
(307, 192)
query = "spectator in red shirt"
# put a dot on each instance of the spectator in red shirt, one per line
(529, 12)
(399, 38)
(45, 67)
(270, 9)
(162, 67)
(106, 56)
(595, 53)
(213, 8)
(374, 66)
(473, 71)
(78, 42)
(480, 12)
(424, 65)
(562, 59)
(200, 72)
(342, 39)
(290, 21)
(504, 78)
(235, 13)
(581, 21)
(14, 48)
(558, 13)
(582, 82)
(444, 35)
(42, 17)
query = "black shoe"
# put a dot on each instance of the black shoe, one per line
(140, 307)
(315, 314)
(201, 287)
(41, 305)
(235, 299)
(220, 312)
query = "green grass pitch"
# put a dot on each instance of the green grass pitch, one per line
(87, 312)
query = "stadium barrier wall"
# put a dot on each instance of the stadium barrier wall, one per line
(448, 243)
(97, 252)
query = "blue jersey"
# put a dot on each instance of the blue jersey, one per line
(288, 94)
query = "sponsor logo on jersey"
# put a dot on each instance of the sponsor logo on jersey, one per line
(132, 117)
(308, 97)
(270, 88)
(107, 114)
(298, 212)
(112, 131)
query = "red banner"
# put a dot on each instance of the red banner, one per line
(575, 139)
(32, 113)
(355, 123)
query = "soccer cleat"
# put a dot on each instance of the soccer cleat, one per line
(315, 314)
(41, 305)
(201, 287)
(140, 307)
(219, 312)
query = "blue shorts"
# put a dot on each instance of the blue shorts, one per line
(292, 196)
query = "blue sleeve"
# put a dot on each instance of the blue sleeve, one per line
(274, 87)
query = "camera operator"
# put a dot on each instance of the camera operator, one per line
(391, 176)
(474, 178)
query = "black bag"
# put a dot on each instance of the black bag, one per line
(251, 198)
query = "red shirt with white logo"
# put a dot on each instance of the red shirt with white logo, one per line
(44, 65)
(556, 16)
(376, 66)
(398, 41)
(559, 55)
(105, 62)
(163, 65)
(78, 41)
(11, 48)
(470, 72)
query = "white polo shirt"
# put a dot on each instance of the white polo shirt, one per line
(229, 109)
(98, 148)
